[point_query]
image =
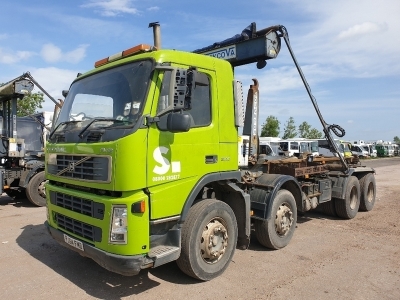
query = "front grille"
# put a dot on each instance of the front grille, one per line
(76, 227)
(77, 204)
(89, 168)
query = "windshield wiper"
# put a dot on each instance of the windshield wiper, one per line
(96, 120)
(62, 123)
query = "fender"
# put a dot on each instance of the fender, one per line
(215, 177)
(262, 197)
(32, 167)
(339, 183)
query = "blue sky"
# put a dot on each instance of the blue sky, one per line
(349, 50)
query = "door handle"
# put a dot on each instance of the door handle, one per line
(211, 159)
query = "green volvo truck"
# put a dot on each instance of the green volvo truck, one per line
(142, 164)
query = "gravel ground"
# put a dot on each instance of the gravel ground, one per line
(328, 258)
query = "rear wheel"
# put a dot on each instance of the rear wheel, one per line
(35, 191)
(348, 207)
(209, 237)
(328, 208)
(277, 232)
(368, 192)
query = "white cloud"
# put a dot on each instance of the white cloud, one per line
(354, 38)
(76, 55)
(112, 8)
(53, 80)
(153, 8)
(11, 57)
(52, 54)
(3, 36)
(365, 28)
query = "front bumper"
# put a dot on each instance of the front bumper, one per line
(121, 264)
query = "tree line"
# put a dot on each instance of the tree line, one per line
(271, 127)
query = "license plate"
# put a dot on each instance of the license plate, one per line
(73, 242)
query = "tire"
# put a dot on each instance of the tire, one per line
(35, 191)
(213, 221)
(277, 232)
(368, 192)
(348, 208)
(328, 208)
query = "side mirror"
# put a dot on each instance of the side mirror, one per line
(177, 122)
(65, 93)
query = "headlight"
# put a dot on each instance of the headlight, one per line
(119, 225)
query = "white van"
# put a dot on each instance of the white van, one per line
(360, 150)
(296, 147)
(269, 145)
(372, 150)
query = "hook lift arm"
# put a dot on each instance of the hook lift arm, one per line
(258, 46)
(339, 131)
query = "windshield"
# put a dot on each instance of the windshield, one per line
(314, 146)
(114, 97)
(284, 146)
(346, 147)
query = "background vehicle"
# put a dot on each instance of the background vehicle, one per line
(382, 150)
(385, 149)
(326, 150)
(272, 142)
(372, 150)
(165, 185)
(396, 150)
(390, 149)
(22, 144)
(360, 150)
(298, 146)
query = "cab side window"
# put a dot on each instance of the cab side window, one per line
(200, 112)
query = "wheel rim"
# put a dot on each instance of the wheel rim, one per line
(214, 241)
(283, 220)
(370, 192)
(42, 189)
(353, 198)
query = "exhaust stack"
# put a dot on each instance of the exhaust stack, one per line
(156, 34)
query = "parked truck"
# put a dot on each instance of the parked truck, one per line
(22, 144)
(162, 183)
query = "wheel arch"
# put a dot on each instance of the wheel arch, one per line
(32, 168)
(339, 183)
(262, 197)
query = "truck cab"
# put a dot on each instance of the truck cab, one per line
(108, 175)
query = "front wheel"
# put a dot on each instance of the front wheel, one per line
(209, 237)
(35, 191)
(277, 232)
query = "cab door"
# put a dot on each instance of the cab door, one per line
(177, 161)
